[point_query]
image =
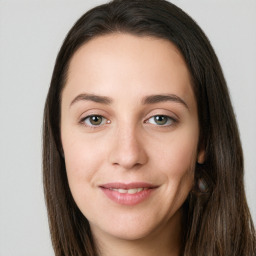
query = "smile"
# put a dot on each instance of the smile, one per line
(129, 191)
(128, 194)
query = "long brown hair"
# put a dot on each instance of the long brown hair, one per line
(218, 222)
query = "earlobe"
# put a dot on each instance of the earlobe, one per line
(201, 156)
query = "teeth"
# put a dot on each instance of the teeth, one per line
(129, 191)
(132, 191)
(122, 191)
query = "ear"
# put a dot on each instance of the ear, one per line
(201, 156)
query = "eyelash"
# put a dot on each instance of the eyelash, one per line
(170, 121)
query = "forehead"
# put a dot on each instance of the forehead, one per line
(147, 65)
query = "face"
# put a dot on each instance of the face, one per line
(129, 130)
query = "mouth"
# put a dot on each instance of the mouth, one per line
(129, 191)
(128, 194)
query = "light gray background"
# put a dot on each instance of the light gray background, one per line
(31, 33)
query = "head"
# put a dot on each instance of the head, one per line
(215, 154)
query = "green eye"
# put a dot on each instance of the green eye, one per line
(161, 120)
(94, 120)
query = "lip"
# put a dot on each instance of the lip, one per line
(126, 198)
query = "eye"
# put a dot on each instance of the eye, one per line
(94, 120)
(161, 120)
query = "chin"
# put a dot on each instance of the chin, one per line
(131, 227)
(132, 234)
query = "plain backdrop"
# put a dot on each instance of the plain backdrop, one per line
(31, 33)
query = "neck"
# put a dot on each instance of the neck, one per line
(164, 241)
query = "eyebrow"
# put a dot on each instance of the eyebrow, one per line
(151, 99)
(92, 97)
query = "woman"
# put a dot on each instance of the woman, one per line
(142, 154)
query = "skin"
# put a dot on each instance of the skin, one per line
(129, 145)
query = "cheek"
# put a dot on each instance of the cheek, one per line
(177, 168)
(82, 162)
(82, 159)
(179, 171)
(177, 154)
(176, 160)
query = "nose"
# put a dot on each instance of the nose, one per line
(127, 149)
